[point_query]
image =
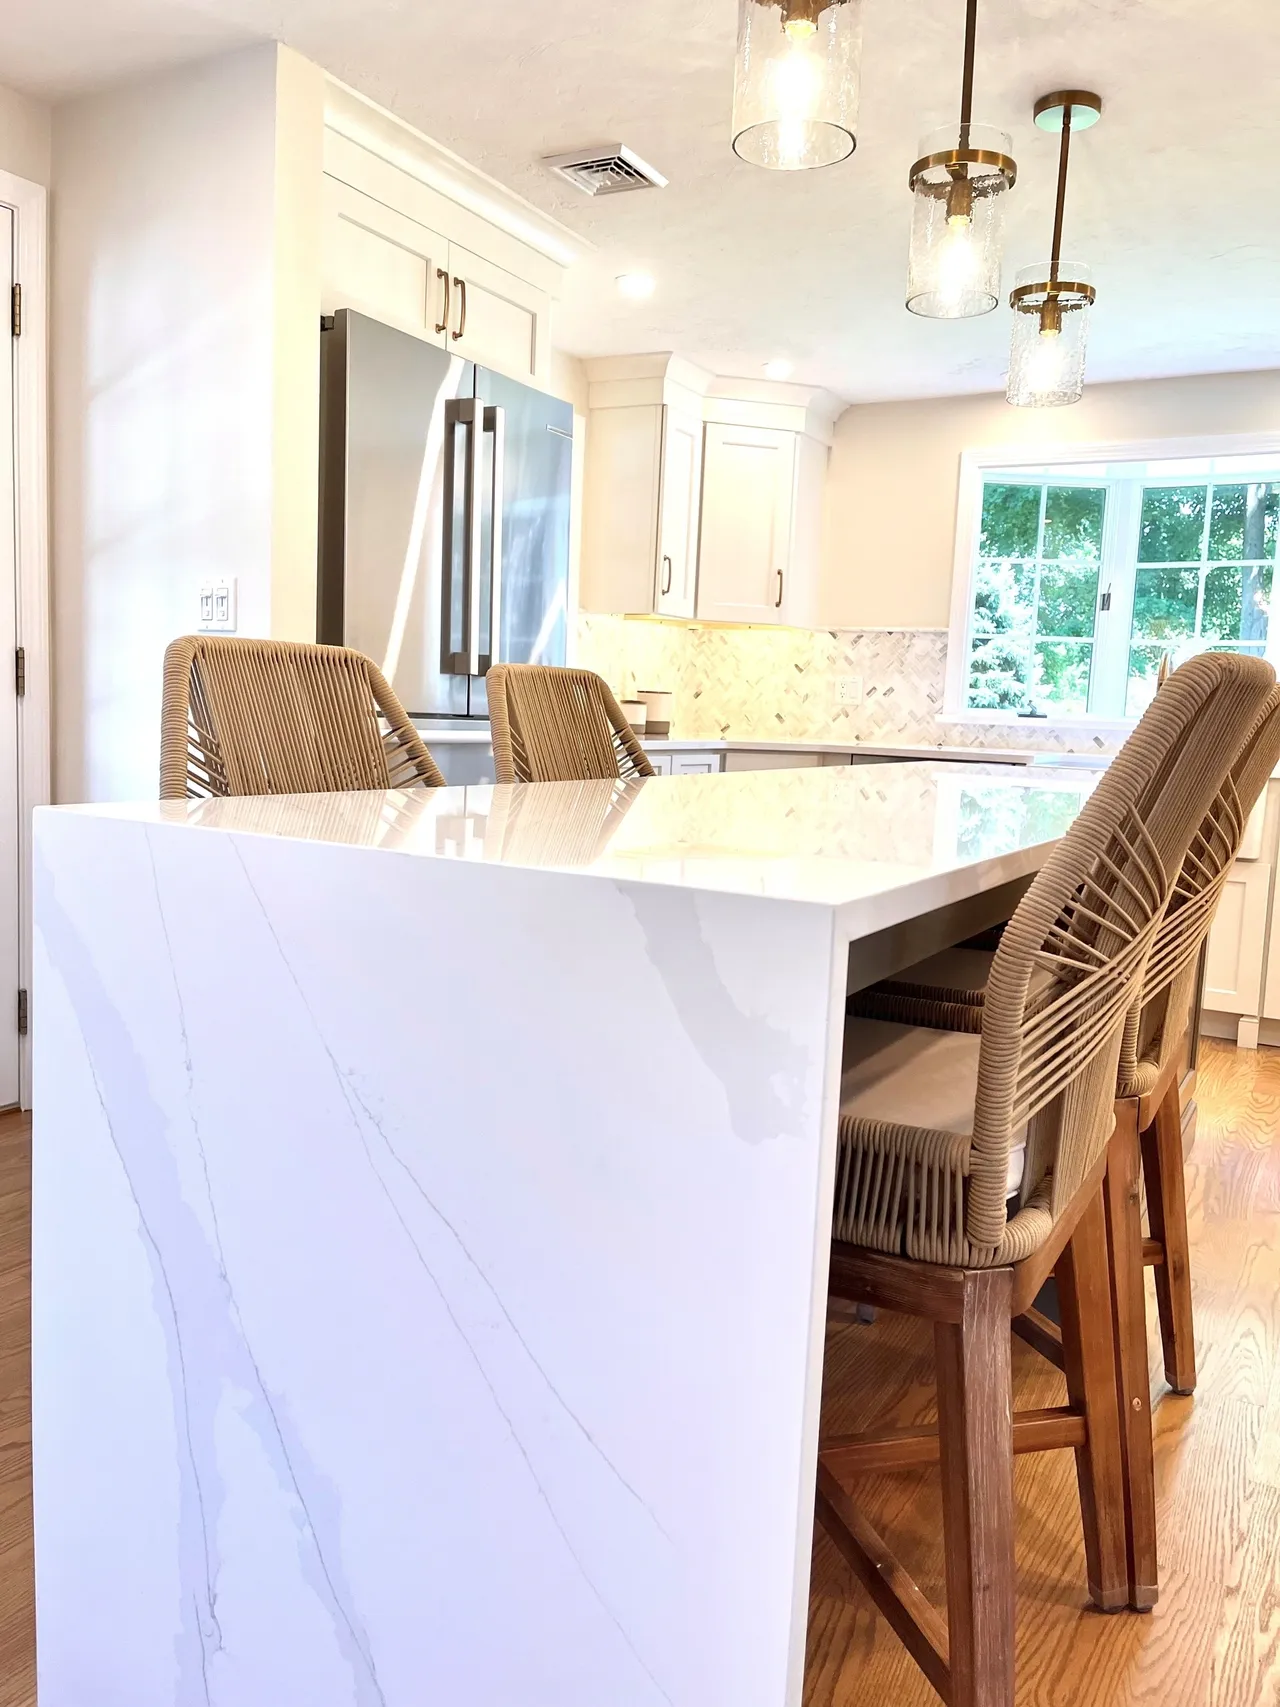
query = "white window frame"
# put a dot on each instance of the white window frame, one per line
(976, 465)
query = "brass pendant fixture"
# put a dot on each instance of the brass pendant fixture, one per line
(796, 82)
(1051, 304)
(957, 225)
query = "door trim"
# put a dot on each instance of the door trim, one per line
(29, 203)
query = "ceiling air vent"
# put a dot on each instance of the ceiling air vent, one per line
(606, 170)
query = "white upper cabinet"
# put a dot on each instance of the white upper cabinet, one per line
(413, 236)
(495, 318)
(761, 538)
(642, 486)
(703, 498)
(678, 511)
(748, 481)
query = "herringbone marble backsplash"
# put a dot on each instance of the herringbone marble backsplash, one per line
(783, 684)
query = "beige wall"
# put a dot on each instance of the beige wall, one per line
(891, 497)
(185, 357)
(25, 131)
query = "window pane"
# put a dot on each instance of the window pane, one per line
(1068, 600)
(1237, 602)
(1164, 602)
(1073, 518)
(1244, 521)
(1010, 521)
(1172, 524)
(1062, 675)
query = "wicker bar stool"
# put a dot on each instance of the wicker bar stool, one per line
(1146, 1149)
(274, 717)
(556, 725)
(928, 1122)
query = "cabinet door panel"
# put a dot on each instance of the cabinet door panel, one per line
(678, 522)
(1233, 966)
(502, 321)
(695, 764)
(745, 538)
(377, 260)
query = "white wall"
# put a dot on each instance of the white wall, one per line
(891, 496)
(25, 137)
(185, 342)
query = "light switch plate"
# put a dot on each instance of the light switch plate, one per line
(851, 690)
(218, 606)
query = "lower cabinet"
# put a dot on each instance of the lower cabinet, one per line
(1237, 943)
(695, 761)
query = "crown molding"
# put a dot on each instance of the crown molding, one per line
(369, 126)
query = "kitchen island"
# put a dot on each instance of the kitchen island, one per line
(431, 1217)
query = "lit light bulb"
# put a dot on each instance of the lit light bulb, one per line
(797, 85)
(959, 262)
(1044, 369)
(800, 29)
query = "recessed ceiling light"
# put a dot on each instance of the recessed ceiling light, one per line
(636, 287)
(779, 369)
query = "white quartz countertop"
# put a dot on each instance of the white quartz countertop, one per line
(880, 844)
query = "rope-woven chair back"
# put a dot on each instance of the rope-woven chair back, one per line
(274, 717)
(1169, 984)
(1049, 1050)
(557, 725)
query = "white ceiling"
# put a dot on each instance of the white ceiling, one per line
(1167, 200)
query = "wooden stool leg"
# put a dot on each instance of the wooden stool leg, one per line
(1162, 1169)
(1089, 1356)
(975, 1435)
(1129, 1317)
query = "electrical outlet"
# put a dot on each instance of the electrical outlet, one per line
(851, 690)
(218, 606)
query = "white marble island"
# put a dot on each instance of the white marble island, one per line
(431, 1209)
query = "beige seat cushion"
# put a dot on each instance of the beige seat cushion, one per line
(960, 969)
(914, 1076)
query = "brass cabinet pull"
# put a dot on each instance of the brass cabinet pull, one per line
(777, 603)
(442, 325)
(462, 308)
(666, 582)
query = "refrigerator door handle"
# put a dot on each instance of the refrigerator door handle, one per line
(461, 412)
(495, 422)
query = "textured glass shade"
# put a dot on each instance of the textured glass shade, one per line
(1050, 332)
(795, 88)
(957, 226)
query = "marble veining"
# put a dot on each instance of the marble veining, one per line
(430, 1229)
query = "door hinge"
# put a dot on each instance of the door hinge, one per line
(23, 1010)
(16, 311)
(20, 671)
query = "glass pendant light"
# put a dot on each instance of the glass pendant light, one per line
(1051, 303)
(795, 87)
(957, 227)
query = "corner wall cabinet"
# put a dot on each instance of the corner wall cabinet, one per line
(703, 497)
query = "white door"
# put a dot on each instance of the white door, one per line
(384, 264)
(745, 541)
(495, 318)
(678, 524)
(10, 975)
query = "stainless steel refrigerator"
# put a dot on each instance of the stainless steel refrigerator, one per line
(444, 515)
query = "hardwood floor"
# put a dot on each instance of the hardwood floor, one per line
(1214, 1639)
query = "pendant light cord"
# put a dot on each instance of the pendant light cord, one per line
(1064, 151)
(966, 82)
